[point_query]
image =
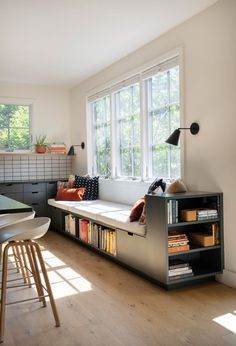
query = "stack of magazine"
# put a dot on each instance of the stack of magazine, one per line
(179, 269)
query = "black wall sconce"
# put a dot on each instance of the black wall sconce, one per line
(174, 137)
(71, 151)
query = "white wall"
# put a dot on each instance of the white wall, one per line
(51, 108)
(208, 41)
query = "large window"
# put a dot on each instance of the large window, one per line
(14, 127)
(131, 121)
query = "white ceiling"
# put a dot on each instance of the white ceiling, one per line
(62, 42)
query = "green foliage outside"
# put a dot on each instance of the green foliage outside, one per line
(14, 127)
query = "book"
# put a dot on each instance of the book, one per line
(180, 276)
(83, 229)
(180, 271)
(178, 248)
(178, 263)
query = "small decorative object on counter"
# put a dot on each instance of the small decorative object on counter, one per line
(41, 144)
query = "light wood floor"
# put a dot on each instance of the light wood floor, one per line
(101, 303)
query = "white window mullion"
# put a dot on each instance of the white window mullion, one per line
(144, 130)
(113, 137)
(169, 121)
(149, 149)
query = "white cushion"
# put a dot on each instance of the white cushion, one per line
(113, 214)
(120, 219)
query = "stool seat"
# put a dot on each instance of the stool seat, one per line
(29, 229)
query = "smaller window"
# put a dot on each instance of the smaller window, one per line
(14, 127)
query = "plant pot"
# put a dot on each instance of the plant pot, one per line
(40, 149)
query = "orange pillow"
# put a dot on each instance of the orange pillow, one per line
(137, 210)
(69, 194)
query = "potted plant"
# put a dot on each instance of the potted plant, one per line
(41, 144)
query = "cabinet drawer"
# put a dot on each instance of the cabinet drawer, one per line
(34, 187)
(131, 249)
(35, 197)
(11, 188)
(51, 189)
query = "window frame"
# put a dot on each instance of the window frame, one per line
(20, 102)
(146, 169)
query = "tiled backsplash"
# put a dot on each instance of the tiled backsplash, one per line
(34, 167)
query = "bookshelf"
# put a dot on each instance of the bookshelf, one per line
(88, 232)
(187, 230)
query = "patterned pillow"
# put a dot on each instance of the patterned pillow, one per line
(90, 184)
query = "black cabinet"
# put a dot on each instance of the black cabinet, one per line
(34, 194)
(195, 242)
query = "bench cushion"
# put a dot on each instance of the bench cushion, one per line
(115, 215)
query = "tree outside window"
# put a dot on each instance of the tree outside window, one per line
(14, 127)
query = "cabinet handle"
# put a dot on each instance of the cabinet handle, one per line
(130, 234)
(35, 192)
(9, 184)
(34, 204)
(34, 183)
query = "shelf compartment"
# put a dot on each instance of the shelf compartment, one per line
(195, 249)
(189, 223)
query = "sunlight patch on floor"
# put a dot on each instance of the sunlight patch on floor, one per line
(64, 280)
(227, 321)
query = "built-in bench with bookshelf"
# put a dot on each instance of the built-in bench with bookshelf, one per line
(167, 238)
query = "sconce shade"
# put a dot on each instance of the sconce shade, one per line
(174, 137)
(71, 151)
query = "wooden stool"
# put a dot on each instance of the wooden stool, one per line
(21, 237)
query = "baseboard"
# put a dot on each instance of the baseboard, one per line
(227, 278)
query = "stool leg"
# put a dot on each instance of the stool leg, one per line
(48, 286)
(3, 291)
(16, 260)
(21, 263)
(25, 265)
(37, 274)
(39, 289)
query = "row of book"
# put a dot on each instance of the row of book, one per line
(198, 214)
(205, 214)
(57, 148)
(172, 211)
(99, 236)
(177, 241)
(179, 269)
